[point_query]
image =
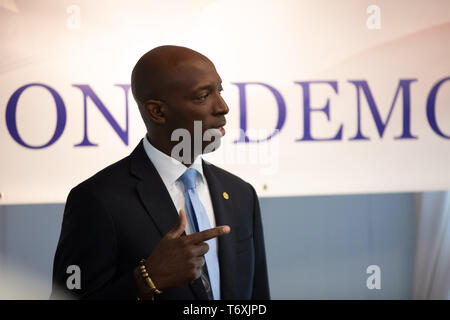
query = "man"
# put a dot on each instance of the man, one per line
(164, 206)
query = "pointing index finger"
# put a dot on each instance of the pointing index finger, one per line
(208, 234)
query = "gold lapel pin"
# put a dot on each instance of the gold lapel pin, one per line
(226, 196)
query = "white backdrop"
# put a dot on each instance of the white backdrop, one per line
(66, 44)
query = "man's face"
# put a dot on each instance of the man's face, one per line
(195, 95)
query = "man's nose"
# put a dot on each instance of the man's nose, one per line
(221, 106)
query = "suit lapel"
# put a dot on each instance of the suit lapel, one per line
(223, 210)
(157, 201)
(152, 191)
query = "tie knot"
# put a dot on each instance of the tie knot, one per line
(188, 178)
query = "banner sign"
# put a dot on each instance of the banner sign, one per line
(325, 97)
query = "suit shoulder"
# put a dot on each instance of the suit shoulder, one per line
(110, 176)
(224, 175)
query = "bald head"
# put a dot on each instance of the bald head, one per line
(157, 72)
(174, 87)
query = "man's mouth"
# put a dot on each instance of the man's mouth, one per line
(221, 128)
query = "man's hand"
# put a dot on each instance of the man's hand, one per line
(178, 260)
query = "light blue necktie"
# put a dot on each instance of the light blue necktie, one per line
(198, 219)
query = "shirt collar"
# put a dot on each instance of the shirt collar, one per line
(170, 169)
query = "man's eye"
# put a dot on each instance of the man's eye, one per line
(203, 98)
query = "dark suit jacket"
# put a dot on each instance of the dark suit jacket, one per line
(118, 216)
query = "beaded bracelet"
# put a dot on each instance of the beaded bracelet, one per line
(147, 277)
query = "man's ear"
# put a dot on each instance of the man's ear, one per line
(155, 110)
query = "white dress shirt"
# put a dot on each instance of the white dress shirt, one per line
(170, 170)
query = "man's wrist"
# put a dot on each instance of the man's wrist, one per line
(143, 290)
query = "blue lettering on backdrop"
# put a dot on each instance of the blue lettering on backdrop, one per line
(403, 84)
(243, 111)
(361, 86)
(11, 122)
(431, 108)
(307, 111)
(88, 92)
